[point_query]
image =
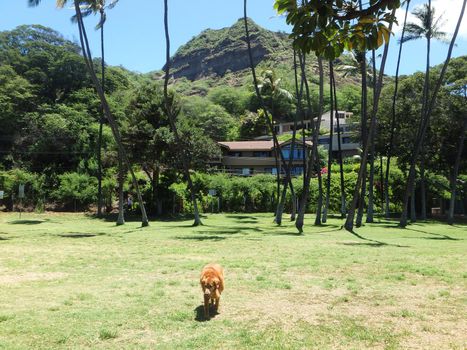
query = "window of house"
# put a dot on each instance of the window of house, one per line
(323, 141)
(346, 139)
(261, 154)
(235, 154)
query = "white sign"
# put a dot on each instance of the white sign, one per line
(21, 191)
(212, 192)
(1, 194)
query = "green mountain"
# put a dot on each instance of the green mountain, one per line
(217, 52)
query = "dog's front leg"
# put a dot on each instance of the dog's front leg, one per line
(206, 306)
(216, 304)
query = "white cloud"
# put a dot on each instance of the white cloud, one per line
(448, 9)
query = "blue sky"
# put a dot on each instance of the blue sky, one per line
(135, 27)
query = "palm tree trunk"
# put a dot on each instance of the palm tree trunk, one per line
(361, 201)
(371, 180)
(293, 196)
(314, 155)
(425, 95)
(319, 202)
(260, 98)
(351, 214)
(393, 111)
(432, 102)
(113, 124)
(422, 189)
(101, 122)
(121, 178)
(330, 149)
(455, 171)
(413, 210)
(339, 146)
(171, 117)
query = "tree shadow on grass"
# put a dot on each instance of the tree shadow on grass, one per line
(199, 313)
(437, 236)
(28, 222)
(4, 238)
(373, 242)
(242, 217)
(201, 238)
(338, 228)
(81, 235)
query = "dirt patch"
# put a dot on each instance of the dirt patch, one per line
(31, 277)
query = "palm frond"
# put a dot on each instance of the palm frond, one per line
(33, 3)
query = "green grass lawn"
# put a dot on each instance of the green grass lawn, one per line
(72, 281)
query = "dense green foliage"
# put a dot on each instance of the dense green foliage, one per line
(50, 113)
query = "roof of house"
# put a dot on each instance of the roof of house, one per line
(255, 145)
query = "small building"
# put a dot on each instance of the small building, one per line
(349, 144)
(257, 157)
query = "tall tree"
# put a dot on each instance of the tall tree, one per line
(269, 121)
(371, 130)
(339, 141)
(330, 148)
(371, 179)
(393, 111)
(427, 17)
(100, 6)
(170, 109)
(105, 106)
(272, 93)
(429, 29)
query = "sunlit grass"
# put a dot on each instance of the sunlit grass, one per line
(72, 281)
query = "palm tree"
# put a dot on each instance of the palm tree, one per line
(393, 111)
(97, 85)
(454, 172)
(370, 209)
(339, 146)
(170, 109)
(261, 100)
(331, 137)
(429, 28)
(314, 162)
(378, 86)
(271, 90)
(100, 6)
(90, 7)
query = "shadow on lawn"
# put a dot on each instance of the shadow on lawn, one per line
(199, 313)
(438, 236)
(28, 222)
(4, 238)
(242, 217)
(201, 238)
(81, 235)
(372, 242)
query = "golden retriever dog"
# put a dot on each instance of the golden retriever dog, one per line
(212, 284)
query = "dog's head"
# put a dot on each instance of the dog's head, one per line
(210, 285)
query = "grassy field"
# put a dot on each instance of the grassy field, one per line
(72, 281)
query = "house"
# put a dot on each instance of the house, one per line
(349, 145)
(257, 157)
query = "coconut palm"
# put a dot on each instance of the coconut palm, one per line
(393, 111)
(314, 161)
(93, 7)
(271, 90)
(428, 28)
(172, 110)
(88, 7)
(349, 222)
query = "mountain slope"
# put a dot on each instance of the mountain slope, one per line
(216, 52)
